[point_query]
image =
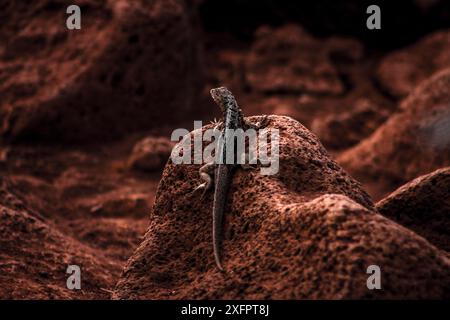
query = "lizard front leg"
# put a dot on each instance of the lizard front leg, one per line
(207, 175)
(249, 166)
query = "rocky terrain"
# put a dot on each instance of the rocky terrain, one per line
(85, 176)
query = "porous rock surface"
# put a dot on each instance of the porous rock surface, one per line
(423, 205)
(61, 207)
(309, 231)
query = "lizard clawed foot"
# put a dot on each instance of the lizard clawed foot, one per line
(206, 174)
(247, 166)
(202, 186)
(253, 163)
(217, 124)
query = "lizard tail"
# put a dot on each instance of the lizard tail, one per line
(217, 231)
(217, 255)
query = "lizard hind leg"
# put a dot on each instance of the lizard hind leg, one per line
(206, 174)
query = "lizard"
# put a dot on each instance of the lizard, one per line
(220, 174)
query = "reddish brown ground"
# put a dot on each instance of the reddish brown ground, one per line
(84, 122)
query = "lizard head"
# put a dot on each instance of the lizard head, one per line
(222, 96)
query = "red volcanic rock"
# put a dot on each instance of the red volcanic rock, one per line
(410, 143)
(309, 231)
(133, 65)
(34, 257)
(92, 212)
(400, 71)
(150, 154)
(289, 72)
(290, 60)
(423, 205)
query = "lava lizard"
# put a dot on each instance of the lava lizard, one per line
(221, 174)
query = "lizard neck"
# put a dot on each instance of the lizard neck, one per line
(233, 116)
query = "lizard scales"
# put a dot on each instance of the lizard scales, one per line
(223, 172)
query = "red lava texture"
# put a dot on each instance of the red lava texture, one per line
(85, 176)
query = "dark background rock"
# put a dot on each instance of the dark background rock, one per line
(422, 205)
(410, 143)
(404, 69)
(402, 22)
(150, 154)
(132, 65)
